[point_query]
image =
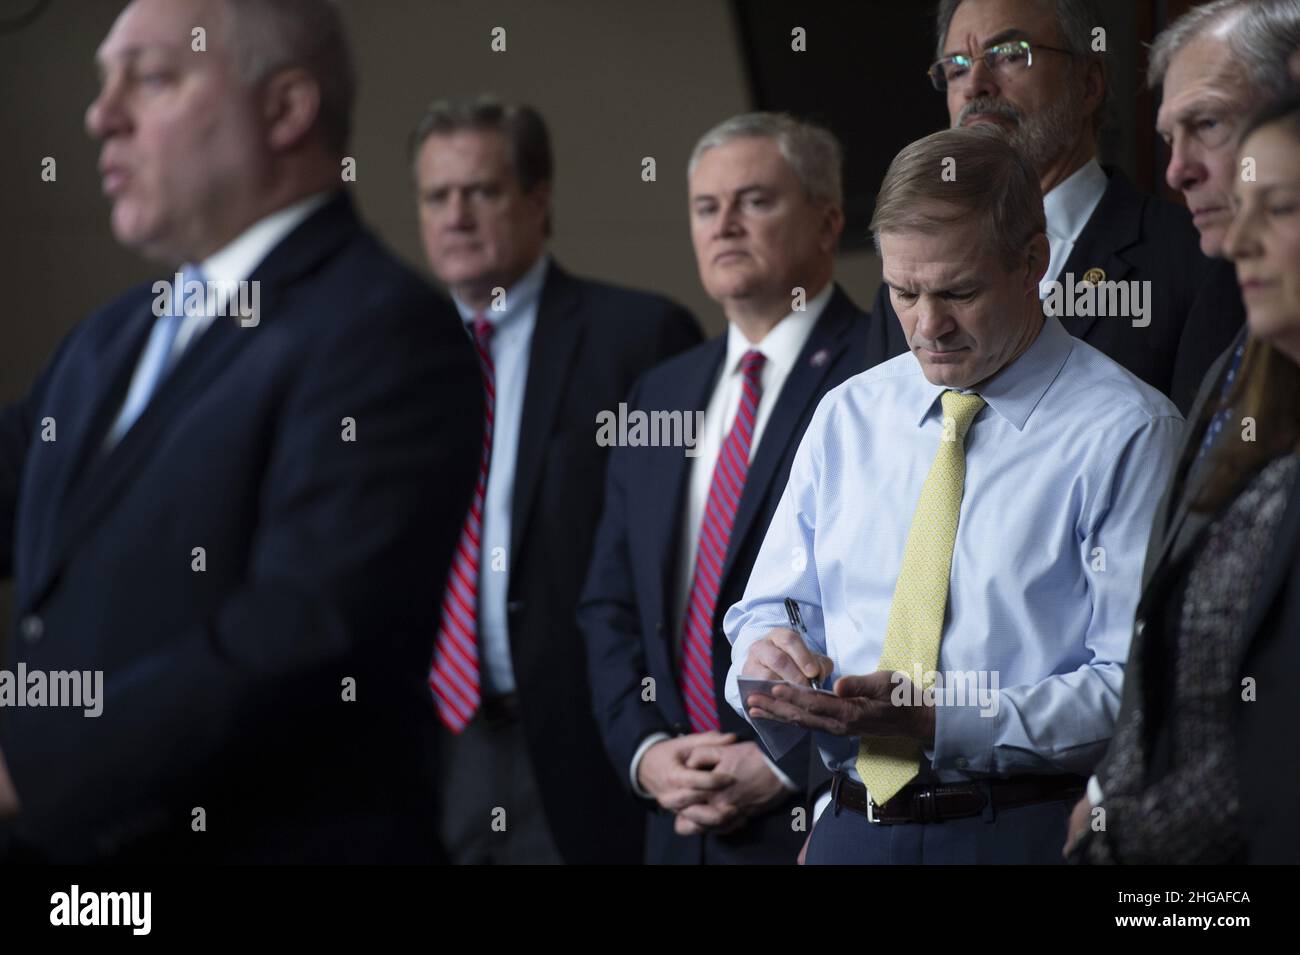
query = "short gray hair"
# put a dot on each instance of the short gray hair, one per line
(813, 152)
(1076, 19)
(528, 143)
(994, 184)
(266, 36)
(1262, 35)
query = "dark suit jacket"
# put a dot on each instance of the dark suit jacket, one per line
(589, 345)
(628, 604)
(1133, 236)
(224, 687)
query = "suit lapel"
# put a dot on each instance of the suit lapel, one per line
(1114, 226)
(105, 476)
(556, 336)
(104, 383)
(827, 341)
(99, 479)
(1183, 524)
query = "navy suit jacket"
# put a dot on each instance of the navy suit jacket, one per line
(626, 612)
(1133, 236)
(590, 343)
(226, 673)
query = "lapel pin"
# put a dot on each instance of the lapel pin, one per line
(1094, 276)
(819, 358)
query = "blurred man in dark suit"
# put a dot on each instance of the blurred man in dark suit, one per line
(680, 532)
(1032, 69)
(524, 779)
(234, 524)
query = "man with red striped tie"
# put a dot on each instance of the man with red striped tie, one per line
(680, 532)
(524, 779)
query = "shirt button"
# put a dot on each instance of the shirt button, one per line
(32, 628)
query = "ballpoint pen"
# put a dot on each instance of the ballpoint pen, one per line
(796, 624)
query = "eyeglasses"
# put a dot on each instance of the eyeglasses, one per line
(1003, 59)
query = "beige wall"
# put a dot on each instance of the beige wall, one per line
(616, 81)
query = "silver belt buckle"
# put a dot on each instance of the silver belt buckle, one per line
(871, 809)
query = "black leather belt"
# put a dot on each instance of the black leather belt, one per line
(939, 802)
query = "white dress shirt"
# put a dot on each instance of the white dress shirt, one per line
(512, 339)
(781, 347)
(1068, 207)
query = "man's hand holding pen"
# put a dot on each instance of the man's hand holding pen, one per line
(861, 705)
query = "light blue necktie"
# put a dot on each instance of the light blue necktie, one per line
(157, 358)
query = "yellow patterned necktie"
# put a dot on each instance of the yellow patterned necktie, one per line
(887, 764)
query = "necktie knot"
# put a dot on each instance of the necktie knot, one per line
(751, 365)
(961, 410)
(483, 330)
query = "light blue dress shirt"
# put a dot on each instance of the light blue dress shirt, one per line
(1064, 469)
(512, 339)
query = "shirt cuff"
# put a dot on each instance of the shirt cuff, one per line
(636, 761)
(1095, 794)
(963, 739)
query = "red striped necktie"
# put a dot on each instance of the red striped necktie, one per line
(715, 531)
(454, 675)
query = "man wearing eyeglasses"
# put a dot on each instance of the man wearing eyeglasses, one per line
(1029, 68)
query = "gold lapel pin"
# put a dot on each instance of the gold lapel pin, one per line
(1094, 276)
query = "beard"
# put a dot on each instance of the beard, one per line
(1042, 137)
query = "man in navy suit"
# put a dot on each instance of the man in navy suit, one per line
(524, 779)
(682, 525)
(235, 523)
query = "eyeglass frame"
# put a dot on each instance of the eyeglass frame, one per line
(936, 75)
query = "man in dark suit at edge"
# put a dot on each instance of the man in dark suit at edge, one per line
(234, 522)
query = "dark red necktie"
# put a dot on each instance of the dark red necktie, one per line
(454, 675)
(715, 530)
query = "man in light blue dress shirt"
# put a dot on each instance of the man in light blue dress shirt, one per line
(1064, 465)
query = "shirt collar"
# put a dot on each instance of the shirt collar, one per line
(1070, 205)
(1015, 391)
(236, 261)
(518, 298)
(780, 346)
